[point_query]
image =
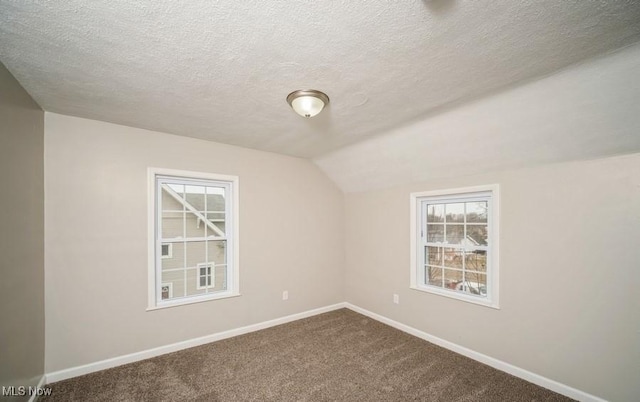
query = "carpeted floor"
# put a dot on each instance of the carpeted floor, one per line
(336, 356)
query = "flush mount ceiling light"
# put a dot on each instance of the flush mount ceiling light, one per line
(308, 102)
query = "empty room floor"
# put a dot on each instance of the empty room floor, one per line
(336, 356)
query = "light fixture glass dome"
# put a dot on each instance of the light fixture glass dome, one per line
(307, 103)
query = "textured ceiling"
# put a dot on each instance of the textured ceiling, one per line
(221, 70)
(588, 111)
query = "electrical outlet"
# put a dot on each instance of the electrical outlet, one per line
(396, 298)
(285, 295)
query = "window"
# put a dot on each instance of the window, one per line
(193, 247)
(167, 291)
(204, 276)
(454, 243)
(166, 250)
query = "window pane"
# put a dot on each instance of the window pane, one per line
(474, 284)
(453, 257)
(433, 276)
(216, 191)
(435, 213)
(195, 226)
(433, 255)
(174, 279)
(216, 219)
(195, 197)
(435, 233)
(217, 251)
(477, 212)
(455, 234)
(177, 257)
(216, 205)
(196, 253)
(476, 260)
(170, 198)
(452, 278)
(172, 226)
(455, 212)
(172, 211)
(192, 282)
(221, 226)
(477, 235)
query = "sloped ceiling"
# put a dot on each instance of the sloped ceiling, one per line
(220, 70)
(588, 111)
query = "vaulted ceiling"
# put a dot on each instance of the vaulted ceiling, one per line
(221, 70)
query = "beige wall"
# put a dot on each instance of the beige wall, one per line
(291, 238)
(21, 235)
(569, 272)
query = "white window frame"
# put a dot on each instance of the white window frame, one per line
(169, 250)
(211, 275)
(154, 277)
(417, 241)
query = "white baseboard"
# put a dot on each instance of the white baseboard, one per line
(41, 383)
(174, 347)
(489, 361)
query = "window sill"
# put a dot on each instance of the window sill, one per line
(458, 296)
(182, 302)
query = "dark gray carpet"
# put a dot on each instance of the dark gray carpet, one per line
(336, 356)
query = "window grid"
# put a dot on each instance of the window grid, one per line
(201, 241)
(461, 250)
(454, 251)
(185, 239)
